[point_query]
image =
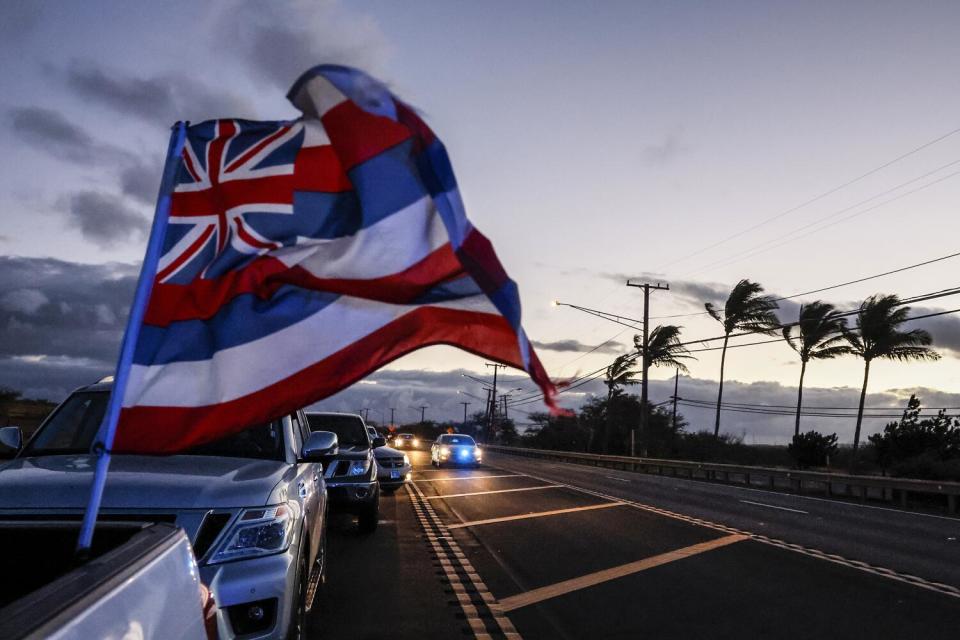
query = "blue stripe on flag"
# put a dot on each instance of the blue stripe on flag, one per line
(464, 287)
(387, 183)
(242, 320)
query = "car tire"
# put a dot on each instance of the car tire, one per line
(298, 612)
(369, 517)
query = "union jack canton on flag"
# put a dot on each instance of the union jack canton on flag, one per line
(301, 256)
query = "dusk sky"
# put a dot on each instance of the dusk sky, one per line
(592, 142)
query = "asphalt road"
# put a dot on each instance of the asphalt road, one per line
(536, 549)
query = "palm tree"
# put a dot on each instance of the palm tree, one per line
(664, 348)
(620, 373)
(878, 335)
(745, 310)
(819, 334)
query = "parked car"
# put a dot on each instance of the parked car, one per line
(253, 505)
(453, 448)
(393, 467)
(406, 441)
(352, 475)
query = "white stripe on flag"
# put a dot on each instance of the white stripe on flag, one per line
(238, 371)
(317, 96)
(399, 241)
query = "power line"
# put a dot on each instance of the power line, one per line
(833, 286)
(814, 199)
(766, 246)
(593, 375)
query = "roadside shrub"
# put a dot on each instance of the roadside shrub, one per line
(703, 446)
(911, 446)
(812, 449)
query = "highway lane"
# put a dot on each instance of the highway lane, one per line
(504, 552)
(560, 566)
(920, 544)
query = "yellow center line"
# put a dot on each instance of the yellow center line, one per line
(592, 579)
(484, 493)
(540, 514)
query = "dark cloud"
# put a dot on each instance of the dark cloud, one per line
(105, 219)
(53, 133)
(280, 45)
(160, 100)
(141, 181)
(945, 329)
(576, 345)
(665, 151)
(57, 311)
(18, 18)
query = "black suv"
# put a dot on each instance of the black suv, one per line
(352, 476)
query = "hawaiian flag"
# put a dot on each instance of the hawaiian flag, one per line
(299, 257)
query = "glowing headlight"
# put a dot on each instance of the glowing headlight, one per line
(444, 451)
(406, 459)
(358, 467)
(258, 532)
(415, 442)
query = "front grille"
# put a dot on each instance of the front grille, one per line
(390, 463)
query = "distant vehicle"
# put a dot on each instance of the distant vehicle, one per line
(406, 441)
(393, 467)
(113, 595)
(352, 475)
(455, 449)
(252, 504)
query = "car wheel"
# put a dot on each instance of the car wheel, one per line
(369, 517)
(298, 612)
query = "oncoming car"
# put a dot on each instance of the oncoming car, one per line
(393, 467)
(455, 449)
(406, 441)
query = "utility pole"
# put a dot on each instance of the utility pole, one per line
(493, 397)
(392, 409)
(465, 405)
(503, 399)
(676, 388)
(423, 414)
(645, 352)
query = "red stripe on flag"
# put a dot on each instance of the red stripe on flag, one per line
(162, 430)
(319, 169)
(481, 262)
(203, 297)
(358, 136)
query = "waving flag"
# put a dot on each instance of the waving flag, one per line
(297, 258)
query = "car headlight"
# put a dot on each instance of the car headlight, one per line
(444, 451)
(406, 460)
(258, 532)
(358, 467)
(415, 442)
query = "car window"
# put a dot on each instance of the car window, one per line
(456, 439)
(73, 427)
(349, 429)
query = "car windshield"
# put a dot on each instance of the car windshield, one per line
(349, 429)
(72, 428)
(452, 439)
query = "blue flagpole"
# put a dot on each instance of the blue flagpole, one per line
(104, 443)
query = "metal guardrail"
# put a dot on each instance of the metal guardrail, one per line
(832, 484)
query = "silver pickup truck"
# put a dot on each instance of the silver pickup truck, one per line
(253, 505)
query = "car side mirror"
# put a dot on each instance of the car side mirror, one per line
(321, 446)
(11, 441)
(379, 441)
